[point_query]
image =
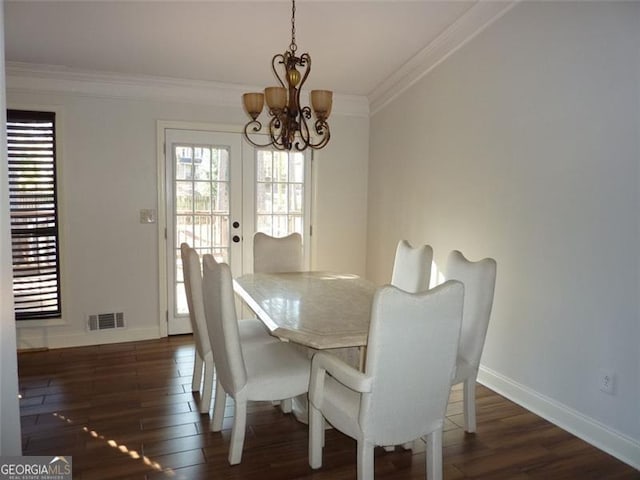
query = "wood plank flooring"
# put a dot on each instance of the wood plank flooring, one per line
(125, 411)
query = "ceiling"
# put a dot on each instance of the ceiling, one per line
(355, 45)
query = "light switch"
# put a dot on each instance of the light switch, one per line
(147, 215)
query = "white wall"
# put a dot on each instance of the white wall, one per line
(340, 203)
(108, 170)
(524, 146)
(10, 443)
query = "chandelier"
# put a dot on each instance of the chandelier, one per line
(287, 125)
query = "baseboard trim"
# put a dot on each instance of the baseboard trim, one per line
(40, 338)
(591, 431)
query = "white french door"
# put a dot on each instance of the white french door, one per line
(204, 199)
(219, 191)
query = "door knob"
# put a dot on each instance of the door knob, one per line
(235, 239)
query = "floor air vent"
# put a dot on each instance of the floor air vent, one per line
(106, 321)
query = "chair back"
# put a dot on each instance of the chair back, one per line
(277, 254)
(412, 267)
(411, 352)
(222, 324)
(479, 279)
(192, 274)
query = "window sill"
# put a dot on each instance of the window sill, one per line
(49, 322)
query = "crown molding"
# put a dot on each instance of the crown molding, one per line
(38, 78)
(475, 20)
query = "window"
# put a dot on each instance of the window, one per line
(34, 215)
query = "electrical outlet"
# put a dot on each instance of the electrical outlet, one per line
(607, 380)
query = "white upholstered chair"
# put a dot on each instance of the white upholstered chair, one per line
(412, 267)
(403, 392)
(203, 363)
(272, 371)
(411, 273)
(479, 279)
(277, 254)
(252, 331)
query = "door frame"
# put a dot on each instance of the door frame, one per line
(161, 126)
(161, 217)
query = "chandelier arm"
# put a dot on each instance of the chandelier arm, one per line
(321, 127)
(256, 126)
(278, 56)
(305, 134)
(305, 61)
(306, 112)
(277, 134)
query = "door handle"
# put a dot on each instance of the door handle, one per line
(235, 239)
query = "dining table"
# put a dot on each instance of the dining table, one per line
(314, 309)
(320, 310)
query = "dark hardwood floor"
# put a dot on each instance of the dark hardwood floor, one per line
(126, 411)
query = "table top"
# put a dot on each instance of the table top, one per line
(317, 309)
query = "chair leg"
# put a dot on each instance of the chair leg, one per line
(218, 408)
(316, 437)
(365, 460)
(238, 431)
(207, 387)
(197, 373)
(434, 455)
(286, 405)
(469, 394)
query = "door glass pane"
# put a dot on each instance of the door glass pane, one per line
(264, 170)
(280, 203)
(263, 197)
(184, 197)
(296, 168)
(296, 204)
(220, 165)
(296, 223)
(201, 232)
(184, 230)
(202, 197)
(281, 166)
(180, 294)
(184, 163)
(202, 163)
(220, 198)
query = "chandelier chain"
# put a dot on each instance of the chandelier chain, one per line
(293, 47)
